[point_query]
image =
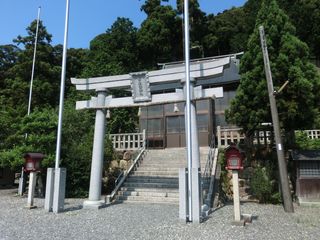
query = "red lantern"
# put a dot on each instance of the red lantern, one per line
(234, 158)
(32, 161)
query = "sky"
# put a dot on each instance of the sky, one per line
(87, 18)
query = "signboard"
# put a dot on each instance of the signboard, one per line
(140, 87)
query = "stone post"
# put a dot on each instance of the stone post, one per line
(97, 155)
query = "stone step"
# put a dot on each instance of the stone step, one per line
(159, 165)
(156, 174)
(156, 168)
(151, 185)
(148, 179)
(149, 194)
(156, 178)
(137, 189)
(148, 199)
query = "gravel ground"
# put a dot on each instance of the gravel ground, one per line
(150, 221)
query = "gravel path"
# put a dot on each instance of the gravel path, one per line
(150, 221)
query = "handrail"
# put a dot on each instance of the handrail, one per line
(122, 177)
(209, 174)
(208, 167)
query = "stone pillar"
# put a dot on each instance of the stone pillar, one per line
(32, 186)
(97, 155)
(236, 196)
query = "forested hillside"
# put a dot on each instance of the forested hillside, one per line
(122, 48)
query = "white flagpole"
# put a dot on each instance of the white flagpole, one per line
(188, 104)
(62, 85)
(34, 61)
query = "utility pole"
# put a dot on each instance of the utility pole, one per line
(285, 189)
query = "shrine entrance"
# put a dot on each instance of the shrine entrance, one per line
(175, 136)
(165, 124)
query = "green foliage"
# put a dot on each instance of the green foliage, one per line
(226, 33)
(298, 105)
(113, 52)
(34, 133)
(261, 184)
(159, 38)
(305, 143)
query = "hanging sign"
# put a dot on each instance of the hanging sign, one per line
(140, 87)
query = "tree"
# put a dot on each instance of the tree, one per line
(47, 72)
(159, 38)
(226, 33)
(304, 14)
(113, 52)
(298, 104)
(8, 57)
(198, 22)
(40, 127)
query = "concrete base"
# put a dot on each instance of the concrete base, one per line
(240, 223)
(30, 207)
(305, 202)
(94, 204)
(247, 218)
(49, 190)
(59, 190)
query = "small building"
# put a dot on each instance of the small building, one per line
(307, 164)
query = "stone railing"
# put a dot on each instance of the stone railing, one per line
(229, 135)
(128, 141)
(313, 134)
(262, 137)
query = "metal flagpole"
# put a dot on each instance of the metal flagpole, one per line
(62, 85)
(33, 62)
(188, 104)
(56, 178)
(22, 179)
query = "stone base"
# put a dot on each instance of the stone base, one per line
(94, 204)
(30, 207)
(305, 202)
(247, 218)
(240, 223)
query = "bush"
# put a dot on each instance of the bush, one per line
(263, 186)
(304, 142)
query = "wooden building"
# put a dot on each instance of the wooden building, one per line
(307, 164)
(165, 124)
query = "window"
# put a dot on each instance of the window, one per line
(309, 169)
(155, 110)
(202, 122)
(202, 105)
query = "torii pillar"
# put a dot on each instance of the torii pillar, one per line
(94, 200)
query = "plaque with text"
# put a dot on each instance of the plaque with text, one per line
(140, 87)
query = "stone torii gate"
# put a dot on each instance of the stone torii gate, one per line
(140, 84)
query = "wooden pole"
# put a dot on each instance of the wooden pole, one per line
(286, 195)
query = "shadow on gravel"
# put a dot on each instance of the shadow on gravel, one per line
(72, 208)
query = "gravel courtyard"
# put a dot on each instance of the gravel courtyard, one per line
(150, 221)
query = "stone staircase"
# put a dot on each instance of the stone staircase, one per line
(156, 180)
